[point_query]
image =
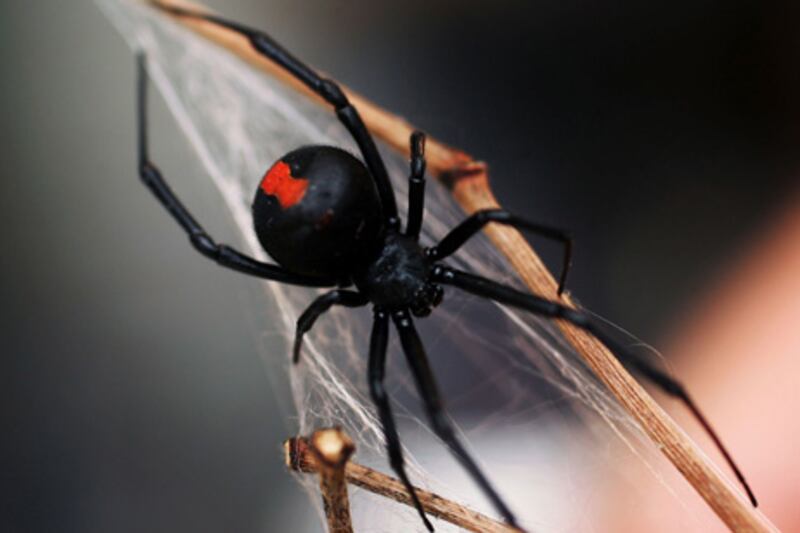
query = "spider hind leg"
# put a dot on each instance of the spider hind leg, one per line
(222, 254)
(326, 89)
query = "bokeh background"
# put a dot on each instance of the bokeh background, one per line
(662, 135)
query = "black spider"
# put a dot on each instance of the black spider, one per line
(330, 220)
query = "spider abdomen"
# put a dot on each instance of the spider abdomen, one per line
(317, 212)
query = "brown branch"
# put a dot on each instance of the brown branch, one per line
(468, 180)
(301, 456)
(330, 449)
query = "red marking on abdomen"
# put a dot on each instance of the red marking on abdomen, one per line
(278, 182)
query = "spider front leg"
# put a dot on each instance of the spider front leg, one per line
(429, 392)
(377, 367)
(320, 306)
(416, 185)
(325, 88)
(529, 302)
(221, 253)
(475, 222)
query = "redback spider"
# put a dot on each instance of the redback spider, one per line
(330, 220)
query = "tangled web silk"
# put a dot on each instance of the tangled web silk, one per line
(510, 382)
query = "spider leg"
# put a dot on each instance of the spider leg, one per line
(320, 306)
(416, 185)
(672, 387)
(440, 422)
(326, 88)
(221, 253)
(529, 302)
(377, 367)
(475, 222)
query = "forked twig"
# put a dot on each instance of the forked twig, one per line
(469, 182)
(303, 455)
(328, 450)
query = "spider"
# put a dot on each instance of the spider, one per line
(331, 220)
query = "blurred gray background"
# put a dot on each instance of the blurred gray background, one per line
(662, 135)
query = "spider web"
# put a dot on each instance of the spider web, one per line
(525, 404)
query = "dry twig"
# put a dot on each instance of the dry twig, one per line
(302, 455)
(330, 449)
(469, 182)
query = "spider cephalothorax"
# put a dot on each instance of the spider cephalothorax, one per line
(330, 220)
(399, 276)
